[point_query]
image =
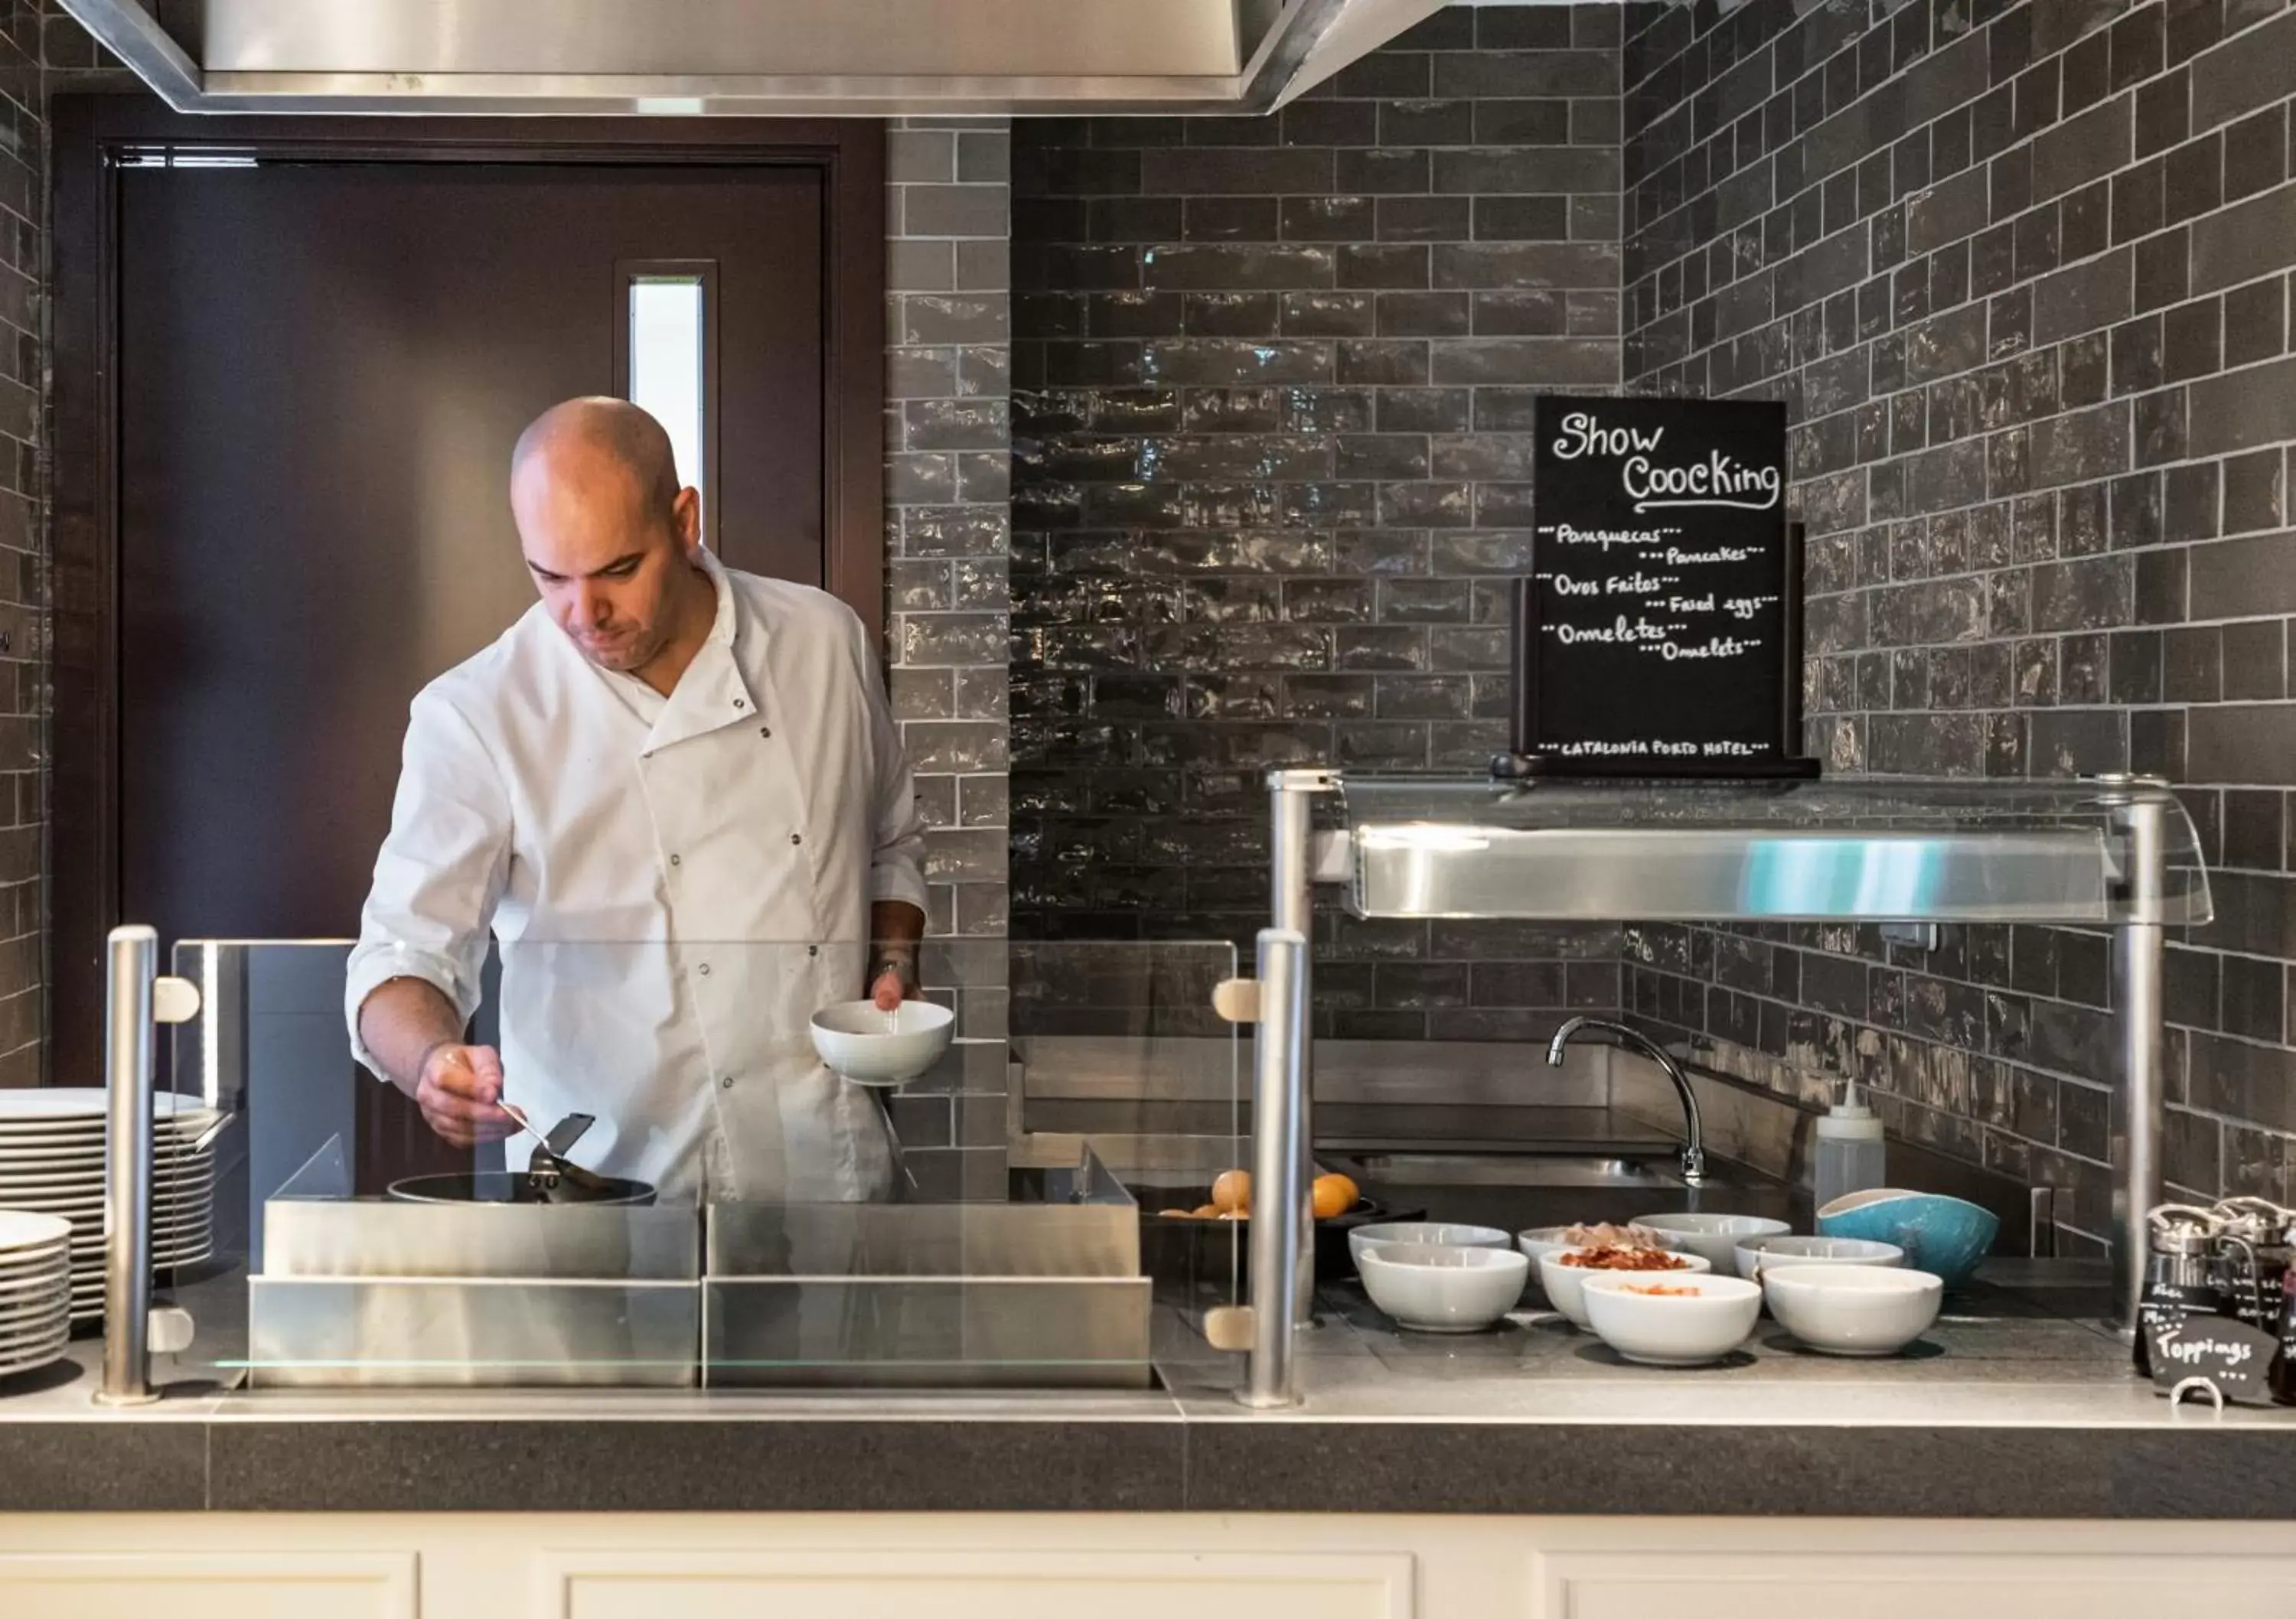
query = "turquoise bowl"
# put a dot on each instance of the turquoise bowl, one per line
(1944, 1236)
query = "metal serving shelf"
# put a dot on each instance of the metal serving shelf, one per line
(2113, 852)
(1833, 850)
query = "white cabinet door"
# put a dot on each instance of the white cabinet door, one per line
(1015, 1583)
(207, 1585)
(1884, 1585)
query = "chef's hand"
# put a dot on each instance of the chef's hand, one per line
(890, 991)
(458, 1093)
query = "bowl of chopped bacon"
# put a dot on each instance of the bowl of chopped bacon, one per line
(1541, 1240)
(1622, 1250)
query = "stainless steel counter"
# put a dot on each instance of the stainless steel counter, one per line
(2007, 1408)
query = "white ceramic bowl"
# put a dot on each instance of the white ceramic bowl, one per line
(1757, 1254)
(1670, 1329)
(1432, 1289)
(1563, 1282)
(1864, 1310)
(1541, 1240)
(1432, 1233)
(874, 1048)
(1714, 1237)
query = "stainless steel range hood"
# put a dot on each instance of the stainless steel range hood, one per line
(750, 57)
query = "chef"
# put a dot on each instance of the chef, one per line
(674, 794)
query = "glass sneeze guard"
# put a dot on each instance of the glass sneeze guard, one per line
(978, 1248)
(1868, 850)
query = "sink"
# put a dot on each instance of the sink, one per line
(1515, 1191)
(1435, 1169)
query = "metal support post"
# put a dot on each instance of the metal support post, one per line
(1280, 1260)
(131, 968)
(1291, 910)
(1283, 1137)
(2139, 951)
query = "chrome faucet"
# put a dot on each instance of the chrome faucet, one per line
(1607, 1033)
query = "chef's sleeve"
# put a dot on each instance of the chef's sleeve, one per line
(897, 866)
(440, 871)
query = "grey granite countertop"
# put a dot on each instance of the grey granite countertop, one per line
(2011, 1406)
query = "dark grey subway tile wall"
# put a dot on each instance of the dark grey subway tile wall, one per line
(1270, 477)
(2022, 271)
(948, 462)
(947, 478)
(42, 50)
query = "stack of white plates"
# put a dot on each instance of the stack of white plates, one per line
(35, 1289)
(52, 1162)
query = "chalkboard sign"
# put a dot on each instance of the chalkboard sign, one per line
(1659, 632)
(2233, 1356)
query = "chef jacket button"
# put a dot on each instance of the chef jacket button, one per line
(813, 950)
(797, 838)
(673, 860)
(725, 1083)
(741, 703)
(705, 970)
(765, 731)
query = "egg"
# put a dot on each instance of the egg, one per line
(1334, 1195)
(1232, 1192)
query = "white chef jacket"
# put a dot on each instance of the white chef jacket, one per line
(677, 885)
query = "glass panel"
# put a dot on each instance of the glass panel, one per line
(1118, 1045)
(668, 369)
(1848, 849)
(964, 1193)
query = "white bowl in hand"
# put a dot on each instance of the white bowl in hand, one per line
(1670, 1321)
(1434, 1289)
(878, 1048)
(1865, 1310)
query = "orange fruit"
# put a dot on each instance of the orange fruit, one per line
(1334, 1195)
(1232, 1192)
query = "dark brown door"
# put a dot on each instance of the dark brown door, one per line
(292, 484)
(323, 369)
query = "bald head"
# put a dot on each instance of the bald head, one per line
(598, 436)
(608, 536)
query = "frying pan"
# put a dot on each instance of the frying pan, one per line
(508, 1186)
(549, 1176)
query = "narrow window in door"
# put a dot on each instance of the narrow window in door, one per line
(666, 340)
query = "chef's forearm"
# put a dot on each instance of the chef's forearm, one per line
(402, 1022)
(896, 928)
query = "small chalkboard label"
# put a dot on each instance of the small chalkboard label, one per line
(1660, 631)
(2233, 1356)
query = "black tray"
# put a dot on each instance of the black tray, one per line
(1217, 1254)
